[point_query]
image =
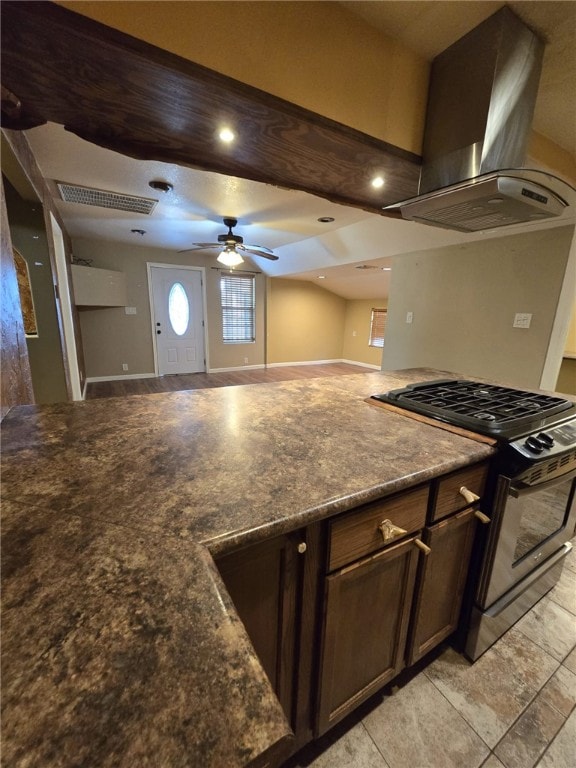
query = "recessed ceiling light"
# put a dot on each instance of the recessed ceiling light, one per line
(326, 219)
(226, 135)
(321, 277)
(377, 182)
(386, 269)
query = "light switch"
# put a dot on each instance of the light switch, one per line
(130, 310)
(409, 317)
(522, 320)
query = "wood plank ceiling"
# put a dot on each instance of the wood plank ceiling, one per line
(134, 98)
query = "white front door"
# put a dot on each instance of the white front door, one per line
(177, 319)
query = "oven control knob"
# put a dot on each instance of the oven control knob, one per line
(546, 439)
(533, 444)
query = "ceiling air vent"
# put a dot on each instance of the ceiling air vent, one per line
(72, 193)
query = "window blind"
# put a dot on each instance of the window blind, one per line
(378, 327)
(237, 301)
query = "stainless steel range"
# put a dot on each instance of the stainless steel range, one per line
(531, 494)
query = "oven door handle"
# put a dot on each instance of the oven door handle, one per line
(523, 490)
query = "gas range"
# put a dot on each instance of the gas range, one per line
(529, 502)
(529, 426)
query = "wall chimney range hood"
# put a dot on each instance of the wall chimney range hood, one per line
(480, 105)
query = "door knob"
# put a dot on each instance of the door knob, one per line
(158, 332)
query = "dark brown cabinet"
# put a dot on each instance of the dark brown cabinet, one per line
(441, 580)
(335, 611)
(443, 572)
(274, 587)
(367, 608)
(263, 582)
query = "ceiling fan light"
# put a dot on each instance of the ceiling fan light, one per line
(230, 257)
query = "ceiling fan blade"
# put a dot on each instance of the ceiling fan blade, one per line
(198, 246)
(258, 250)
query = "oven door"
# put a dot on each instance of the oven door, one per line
(530, 523)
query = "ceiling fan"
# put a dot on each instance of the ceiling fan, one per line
(233, 247)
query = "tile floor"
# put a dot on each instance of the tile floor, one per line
(514, 708)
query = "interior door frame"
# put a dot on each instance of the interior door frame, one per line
(70, 359)
(162, 265)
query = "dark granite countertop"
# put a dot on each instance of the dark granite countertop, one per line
(120, 644)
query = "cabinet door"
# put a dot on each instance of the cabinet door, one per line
(441, 581)
(367, 607)
(263, 582)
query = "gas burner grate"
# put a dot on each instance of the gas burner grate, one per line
(486, 407)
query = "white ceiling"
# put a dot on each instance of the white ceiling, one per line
(287, 221)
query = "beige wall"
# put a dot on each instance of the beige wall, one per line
(300, 321)
(543, 152)
(567, 375)
(111, 337)
(304, 322)
(315, 54)
(357, 332)
(464, 299)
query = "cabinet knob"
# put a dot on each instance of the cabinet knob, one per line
(302, 547)
(482, 517)
(422, 547)
(390, 531)
(470, 496)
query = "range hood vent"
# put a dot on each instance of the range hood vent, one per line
(480, 105)
(72, 193)
(491, 201)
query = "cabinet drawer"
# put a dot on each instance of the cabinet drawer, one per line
(357, 534)
(447, 498)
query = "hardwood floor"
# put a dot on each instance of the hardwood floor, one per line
(175, 382)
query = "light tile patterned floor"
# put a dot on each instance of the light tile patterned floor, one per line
(514, 708)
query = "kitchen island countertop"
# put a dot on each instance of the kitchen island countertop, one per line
(120, 644)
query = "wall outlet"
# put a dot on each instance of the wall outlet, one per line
(522, 320)
(245, 361)
(409, 317)
(354, 333)
(124, 366)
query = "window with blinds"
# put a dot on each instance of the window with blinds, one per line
(377, 327)
(237, 302)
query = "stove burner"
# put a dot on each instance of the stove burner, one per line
(484, 408)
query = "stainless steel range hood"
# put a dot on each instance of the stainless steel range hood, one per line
(480, 106)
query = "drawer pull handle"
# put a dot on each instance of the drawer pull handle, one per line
(468, 495)
(390, 531)
(302, 547)
(422, 547)
(482, 517)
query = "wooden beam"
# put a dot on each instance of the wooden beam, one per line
(134, 98)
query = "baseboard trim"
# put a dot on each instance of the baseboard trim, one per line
(238, 368)
(322, 362)
(96, 379)
(364, 365)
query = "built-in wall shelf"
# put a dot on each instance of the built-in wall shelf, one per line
(95, 287)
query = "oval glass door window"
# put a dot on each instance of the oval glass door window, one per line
(178, 309)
